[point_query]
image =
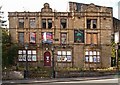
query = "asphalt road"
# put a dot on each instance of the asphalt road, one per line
(89, 82)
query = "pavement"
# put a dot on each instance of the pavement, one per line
(30, 81)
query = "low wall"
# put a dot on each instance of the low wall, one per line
(69, 74)
(58, 74)
(8, 75)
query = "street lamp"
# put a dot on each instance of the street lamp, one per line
(26, 63)
(53, 70)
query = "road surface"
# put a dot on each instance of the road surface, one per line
(88, 82)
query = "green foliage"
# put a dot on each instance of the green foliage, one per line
(119, 54)
(9, 55)
(113, 49)
(12, 54)
(69, 69)
(5, 37)
(5, 46)
(9, 50)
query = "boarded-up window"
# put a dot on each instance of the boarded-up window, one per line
(95, 38)
(91, 38)
(88, 38)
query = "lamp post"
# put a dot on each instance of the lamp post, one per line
(26, 63)
(53, 70)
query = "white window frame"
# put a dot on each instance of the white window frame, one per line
(92, 56)
(64, 56)
(31, 55)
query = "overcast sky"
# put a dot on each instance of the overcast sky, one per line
(59, 5)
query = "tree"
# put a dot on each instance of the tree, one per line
(5, 46)
(12, 54)
(9, 50)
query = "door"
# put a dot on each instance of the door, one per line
(47, 59)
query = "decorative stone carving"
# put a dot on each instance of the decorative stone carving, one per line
(46, 8)
(92, 8)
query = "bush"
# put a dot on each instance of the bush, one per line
(68, 69)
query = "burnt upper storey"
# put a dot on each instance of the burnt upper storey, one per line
(75, 9)
(80, 7)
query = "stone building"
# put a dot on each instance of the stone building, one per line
(78, 38)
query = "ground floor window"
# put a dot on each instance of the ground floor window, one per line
(64, 56)
(92, 56)
(31, 55)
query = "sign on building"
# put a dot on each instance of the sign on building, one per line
(47, 37)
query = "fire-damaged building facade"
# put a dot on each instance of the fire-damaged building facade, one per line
(78, 38)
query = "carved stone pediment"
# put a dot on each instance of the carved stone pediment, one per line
(92, 8)
(46, 8)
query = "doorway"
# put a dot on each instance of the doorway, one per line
(47, 58)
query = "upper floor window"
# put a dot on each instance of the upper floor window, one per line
(21, 37)
(92, 38)
(63, 38)
(21, 22)
(91, 23)
(63, 23)
(43, 23)
(79, 36)
(32, 23)
(49, 23)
